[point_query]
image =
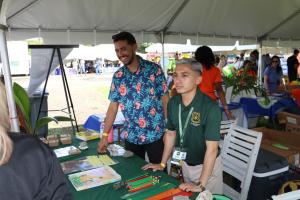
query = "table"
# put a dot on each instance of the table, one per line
(253, 109)
(127, 168)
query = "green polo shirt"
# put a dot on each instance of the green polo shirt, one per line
(204, 124)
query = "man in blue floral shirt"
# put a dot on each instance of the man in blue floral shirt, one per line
(139, 88)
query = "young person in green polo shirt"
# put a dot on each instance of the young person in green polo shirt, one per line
(193, 128)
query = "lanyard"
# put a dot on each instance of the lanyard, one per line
(182, 131)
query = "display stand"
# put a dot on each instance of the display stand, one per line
(70, 107)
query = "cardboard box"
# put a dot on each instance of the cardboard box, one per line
(291, 121)
(289, 143)
(288, 118)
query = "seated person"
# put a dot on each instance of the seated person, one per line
(193, 126)
(29, 170)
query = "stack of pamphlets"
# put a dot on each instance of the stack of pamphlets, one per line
(86, 163)
(87, 135)
(66, 151)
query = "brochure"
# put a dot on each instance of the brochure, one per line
(87, 135)
(93, 178)
(86, 163)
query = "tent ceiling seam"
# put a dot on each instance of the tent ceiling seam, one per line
(170, 22)
(23, 9)
(157, 33)
(265, 35)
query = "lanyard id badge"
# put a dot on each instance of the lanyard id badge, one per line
(178, 156)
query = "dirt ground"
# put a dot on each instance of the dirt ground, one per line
(89, 94)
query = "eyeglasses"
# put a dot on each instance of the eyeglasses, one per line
(275, 61)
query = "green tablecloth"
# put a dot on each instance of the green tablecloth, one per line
(127, 168)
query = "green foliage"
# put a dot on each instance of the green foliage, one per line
(142, 47)
(245, 80)
(23, 103)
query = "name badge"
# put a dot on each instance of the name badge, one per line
(178, 156)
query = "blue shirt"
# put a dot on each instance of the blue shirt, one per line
(273, 78)
(139, 97)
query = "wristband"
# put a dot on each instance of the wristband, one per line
(162, 165)
(201, 186)
(104, 134)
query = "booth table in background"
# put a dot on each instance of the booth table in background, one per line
(252, 108)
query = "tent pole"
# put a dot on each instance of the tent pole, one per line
(260, 72)
(163, 52)
(8, 83)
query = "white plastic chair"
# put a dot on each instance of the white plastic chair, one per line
(239, 153)
(225, 127)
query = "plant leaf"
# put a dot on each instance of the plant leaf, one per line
(44, 121)
(23, 99)
(63, 118)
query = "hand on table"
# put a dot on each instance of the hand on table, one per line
(154, 167)
(102, 145)
(190, 187)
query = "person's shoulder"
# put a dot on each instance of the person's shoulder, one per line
(149, 64)
(206, 100)
(119, 72)
(24, 142)
(175, 99)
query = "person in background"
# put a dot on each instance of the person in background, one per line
(140, 89)
(273, 75)
(222, 62)
(82, 67)
(293, 63)
(193, 127)
(254, 59)
(211, 77)
(240, 61)
(98, 67)
(29, 170)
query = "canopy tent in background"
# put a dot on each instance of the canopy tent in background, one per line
(106, 51)
(82, 52)
(206, 22)
(170, 48)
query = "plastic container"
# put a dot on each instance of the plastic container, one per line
(35, 101)
(270, 173)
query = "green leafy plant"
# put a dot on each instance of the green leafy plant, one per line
(24, 109)
(245, 80)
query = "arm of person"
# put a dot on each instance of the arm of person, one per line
(209, 161)
(169, 142)
(266, 83)
(109, 120)
(218, 87)
(208, 166)
(165, 100)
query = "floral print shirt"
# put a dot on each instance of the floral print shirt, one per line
(139, 97)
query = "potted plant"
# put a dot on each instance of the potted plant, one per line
(24, 111)
(244, 81)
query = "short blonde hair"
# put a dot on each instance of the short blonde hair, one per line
(6, 145)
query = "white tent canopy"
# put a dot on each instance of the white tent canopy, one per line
(211, 22)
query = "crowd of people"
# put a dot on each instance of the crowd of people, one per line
(184, 126)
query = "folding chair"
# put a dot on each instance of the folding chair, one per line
(239, 153)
